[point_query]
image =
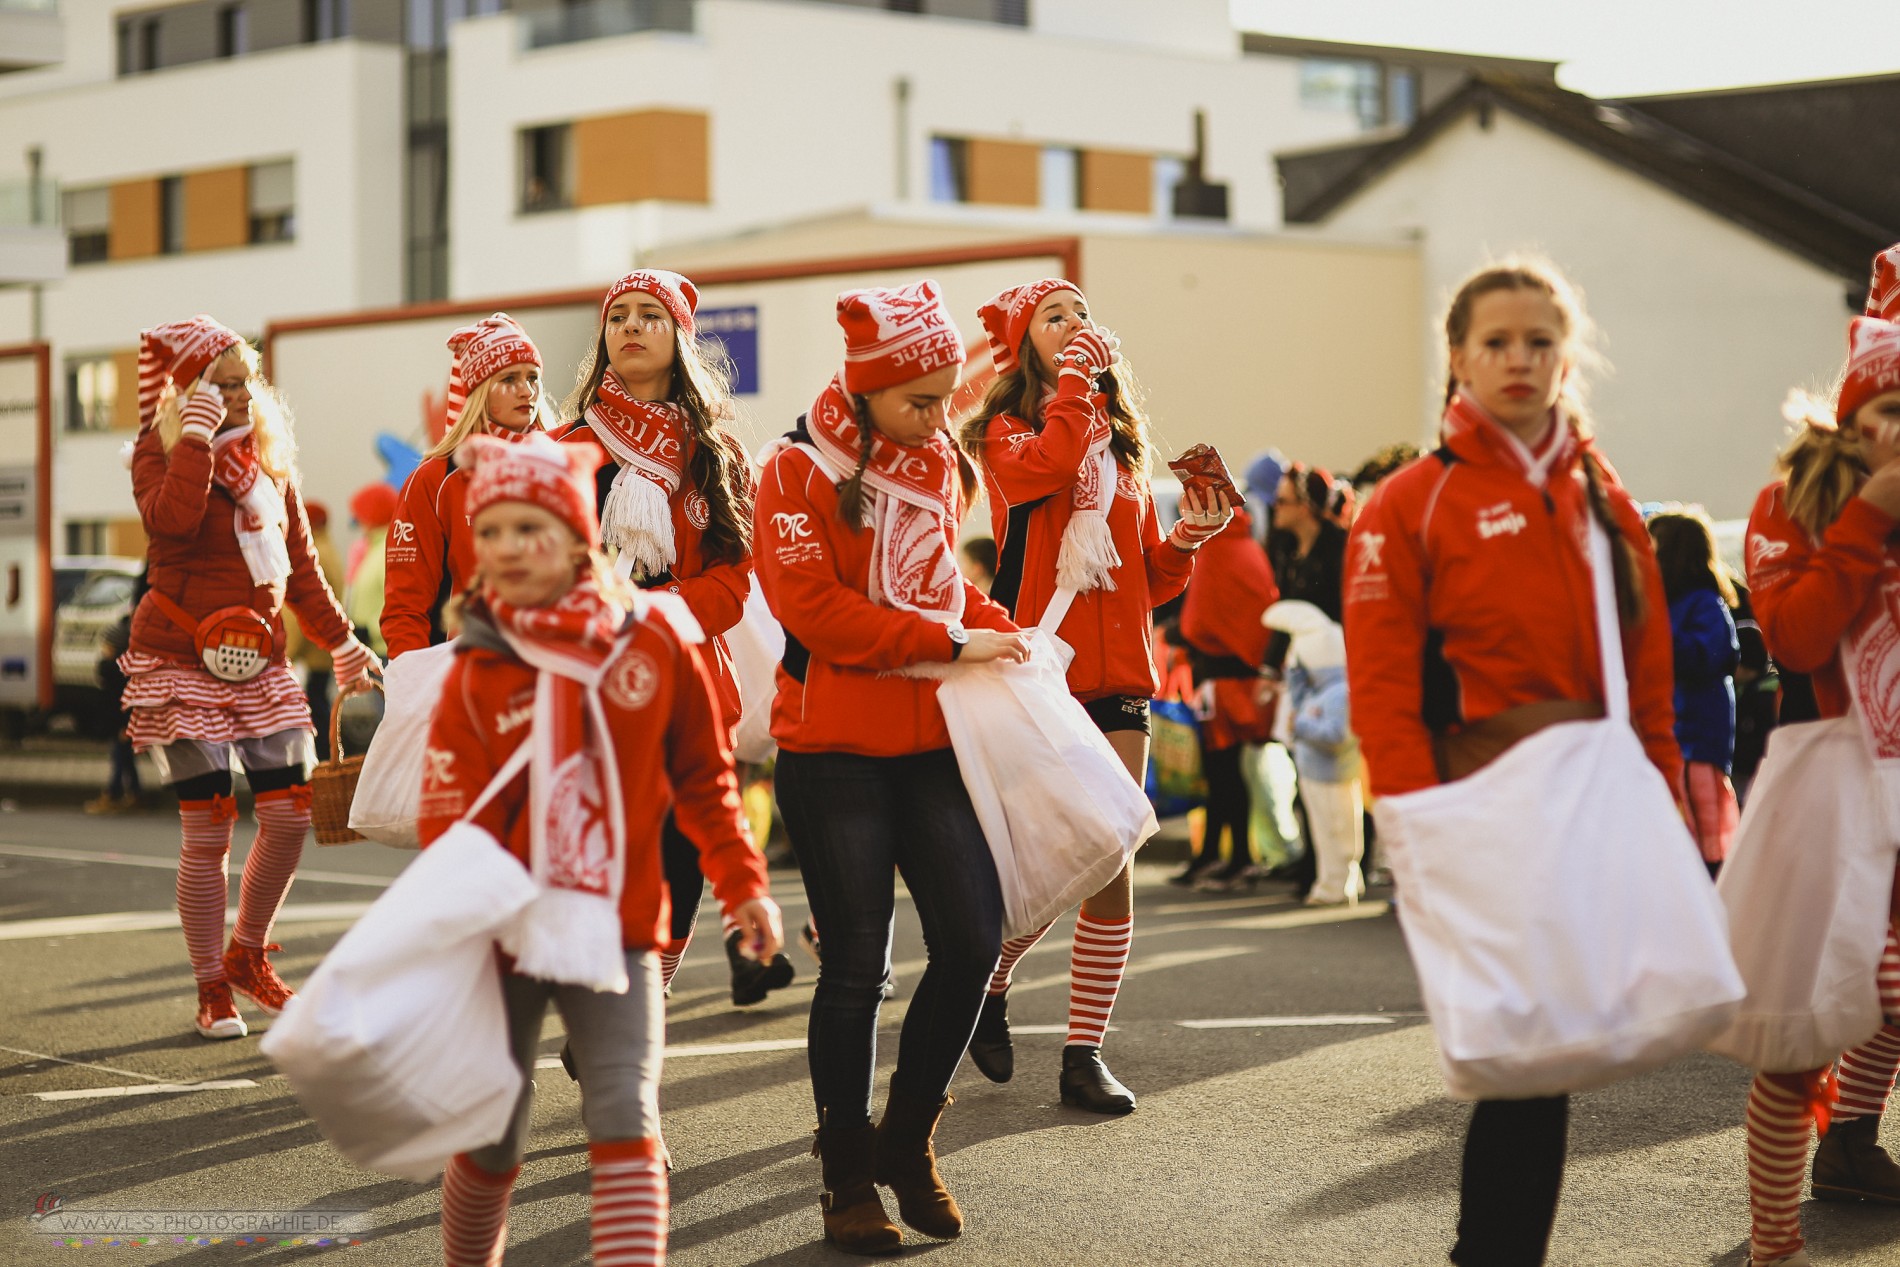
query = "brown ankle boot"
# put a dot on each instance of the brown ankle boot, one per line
(907, 1165)
(1850, 1164)
(854, 1216)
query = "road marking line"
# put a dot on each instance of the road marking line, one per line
(1048, 1029)
(1138, 965)
(1230, 904)
(162, 1088)
(171, 864)
(82, 1064)
(146, 921)
(1283, 1022)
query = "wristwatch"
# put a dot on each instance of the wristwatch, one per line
(959, 639)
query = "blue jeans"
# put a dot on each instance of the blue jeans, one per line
(852, 821)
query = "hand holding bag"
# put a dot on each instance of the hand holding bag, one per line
(1564, 929)
(389, 787)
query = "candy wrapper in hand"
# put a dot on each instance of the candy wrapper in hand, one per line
(1202, 470)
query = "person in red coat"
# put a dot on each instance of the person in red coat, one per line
(1471, 623)
(857, 529)
(609, 695)
(428, 556)
(1063, 449)
(676, 503)
(206, 684)
(1821, 551)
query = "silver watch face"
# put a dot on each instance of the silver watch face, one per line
(960, 636)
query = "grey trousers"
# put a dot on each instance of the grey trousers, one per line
(617, 1041)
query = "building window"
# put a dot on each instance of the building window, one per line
(949, 169)
(92, 393)
(325, 20)
(86, 536)
(171, 215)
(1343, 87)
(233, 31)
(88, 215)
(138, 45)
(546, 168)
(1401, 95)
(273, 202)
(1168, 172)
(1060, 178)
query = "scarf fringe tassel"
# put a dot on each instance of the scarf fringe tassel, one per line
(638, 520)
(570, 936)
(1087, 559)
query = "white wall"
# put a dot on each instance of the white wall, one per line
(805, 119)
(1706, 325)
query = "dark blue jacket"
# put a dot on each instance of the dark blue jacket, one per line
(1706, 655)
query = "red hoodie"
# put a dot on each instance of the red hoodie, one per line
(428, 556)
(1462, 558)
(846, 695)
(1232, 588)
(1112, 630)
(673, 755)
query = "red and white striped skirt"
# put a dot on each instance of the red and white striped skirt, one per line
(169, 701)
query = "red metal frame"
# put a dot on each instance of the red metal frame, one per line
(1068, 249)
(42, 353)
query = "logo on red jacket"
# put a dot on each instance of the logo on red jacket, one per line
(1126, 485)
(1503, 519)
(633, 681)
(1371, 548)
(698, 512)
(1763, 551)
(401, 531)
(791, 526)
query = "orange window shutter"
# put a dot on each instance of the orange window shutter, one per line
(1116, 180)
(135, 220)
(660, 155)
(1004, 173)
(126, 537)
(125, 401)
(217, 209)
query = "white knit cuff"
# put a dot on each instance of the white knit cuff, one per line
(198, 431)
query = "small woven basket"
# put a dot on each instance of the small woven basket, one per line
(333, 783)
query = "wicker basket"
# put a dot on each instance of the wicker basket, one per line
(333, 783)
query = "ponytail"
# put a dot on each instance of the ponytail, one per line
(1626, 566)
(851, 503)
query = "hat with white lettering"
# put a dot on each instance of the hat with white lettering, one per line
(558, 477)
(675, 292)
(483, 350)
(1873, 364)
(1883, 296)
(1006, 317)
(894, 336)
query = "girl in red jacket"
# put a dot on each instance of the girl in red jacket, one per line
(676, 502)
(1822, 550)
(1470, 624)
(1063, 447)
(609, 692)
(494, 390)
(857, 529)
(214, 474)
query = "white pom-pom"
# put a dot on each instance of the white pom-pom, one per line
(569, 936)
(639, 522)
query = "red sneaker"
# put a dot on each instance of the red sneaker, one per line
(217, 1013)
(251, 975)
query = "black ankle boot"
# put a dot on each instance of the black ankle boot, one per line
(1087, 1083)
(752, 980)
(990, 1048)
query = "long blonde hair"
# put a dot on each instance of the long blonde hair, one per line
(475, 413)
(1822, 466)
(270, 415)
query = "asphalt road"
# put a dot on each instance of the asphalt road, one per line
(1315, 1132)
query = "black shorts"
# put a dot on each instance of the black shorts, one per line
(1119, 712)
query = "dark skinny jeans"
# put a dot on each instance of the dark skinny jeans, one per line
(1513, 1174)
(852, 821)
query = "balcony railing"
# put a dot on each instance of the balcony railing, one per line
(28, 204)
(601, 19)
(29, 6)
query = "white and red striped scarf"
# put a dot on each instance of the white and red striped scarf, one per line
(913, 510)
(261, 517)
(1087, 558)
(648, 439)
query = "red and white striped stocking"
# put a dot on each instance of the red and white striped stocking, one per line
(283, 819)
(670, 962)
(630, 1203)
(1779, 1119)
(1867, 1071)
(1097, 960)
(1013, 949)
(474, 1213)
(203, 883)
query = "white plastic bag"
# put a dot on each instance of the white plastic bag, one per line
(389, 787)
(398, 1044)
(756, 644)
(1807, 886)
(1562, 923)
(1058, 807)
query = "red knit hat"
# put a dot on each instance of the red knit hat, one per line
(1006, 317)
(539, 470)
(894, 336)
(374, 505)
(484, 350)
(1883, 297)
(183, 350)
(679, 296)
(1873, 364)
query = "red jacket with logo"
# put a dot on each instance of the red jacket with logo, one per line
(1461, 560)
(673, 755)
(428, 556)
(194, 560)
(1231, 590)
(714, 592)
(1806, 593)
(838, 689)
(1112, 630)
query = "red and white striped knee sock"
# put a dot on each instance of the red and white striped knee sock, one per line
(474, 1213)
(1013, 949)
(630, 1203)
(670, 962)
(1097, 960)
(283, 819)
(203, 883)
(1867, 1071)
(1778, 1130)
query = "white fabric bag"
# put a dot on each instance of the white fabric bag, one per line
(1060, 812)
(1562, 923)
(389, 787)
(398, 1044)
(756, 644)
